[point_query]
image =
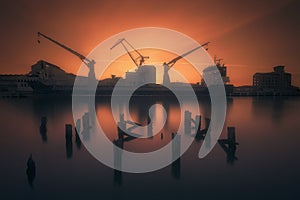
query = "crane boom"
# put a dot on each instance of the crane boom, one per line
(121, 42)
(80, 56)
(141, 57)
(172, 62)
(89, 63)
(169, 65)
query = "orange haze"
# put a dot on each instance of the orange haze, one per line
(250, 35)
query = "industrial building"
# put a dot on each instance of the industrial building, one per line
(15, 84)
(48, 72)
(277, 80)
(41, 72)
(143, 74)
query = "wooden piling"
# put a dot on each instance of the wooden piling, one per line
(187, 122)
(231, 135)
(68, 134)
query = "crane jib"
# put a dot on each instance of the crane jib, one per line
(80, 56)
(172, 62)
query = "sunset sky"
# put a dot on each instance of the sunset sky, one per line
(251, 36)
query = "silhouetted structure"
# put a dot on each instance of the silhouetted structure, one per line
(276, 80)
(176, 142)
(118, 174)
(77, 131)
(43, 129)
(30, 170)
(229, 145)
(77, 140)
(222, 70)
(190, 123)
(200, 135)
(86, 126)
(15, 85)
(69, 143)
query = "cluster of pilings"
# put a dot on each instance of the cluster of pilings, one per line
(192, 126)
(30, 171)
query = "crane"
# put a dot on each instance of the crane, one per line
(89, 63)
(217, 60)
(140, 56)
(222, 69)
(168, 65)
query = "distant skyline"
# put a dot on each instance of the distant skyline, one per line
(251, 36)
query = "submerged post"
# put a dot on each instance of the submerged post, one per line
(198, 123)
(118, 146)
(191, 124)
(187, 122)
(176, 148)
(150, 130)
(121, 127)
(69, 143)
(86, 121)
(231, 135)
(68, 134)
(78, 126)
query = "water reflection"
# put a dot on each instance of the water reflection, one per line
(271, 107)
(43, 129)
(258, 123)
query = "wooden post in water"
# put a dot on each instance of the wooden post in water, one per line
(191, 124)
(187, 122)
(69, 143)
(118, 146)
(68, 134)
(176, 140)
(198, 123)
(121, 127)
(150, 129)
(78, 126)
(231, 135)
(86, 122)
(176, 148)
(44, 122)
(207, 122)
(43, 128)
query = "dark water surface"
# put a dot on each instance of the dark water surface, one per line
(267, 165)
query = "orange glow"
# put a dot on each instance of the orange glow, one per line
(251, 36)
(157, 58)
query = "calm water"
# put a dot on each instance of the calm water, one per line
(267, 165)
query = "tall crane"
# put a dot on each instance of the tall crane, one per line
(140, 57)
(89, 63)
(217, 60)
(222, 69)
(167, 66)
